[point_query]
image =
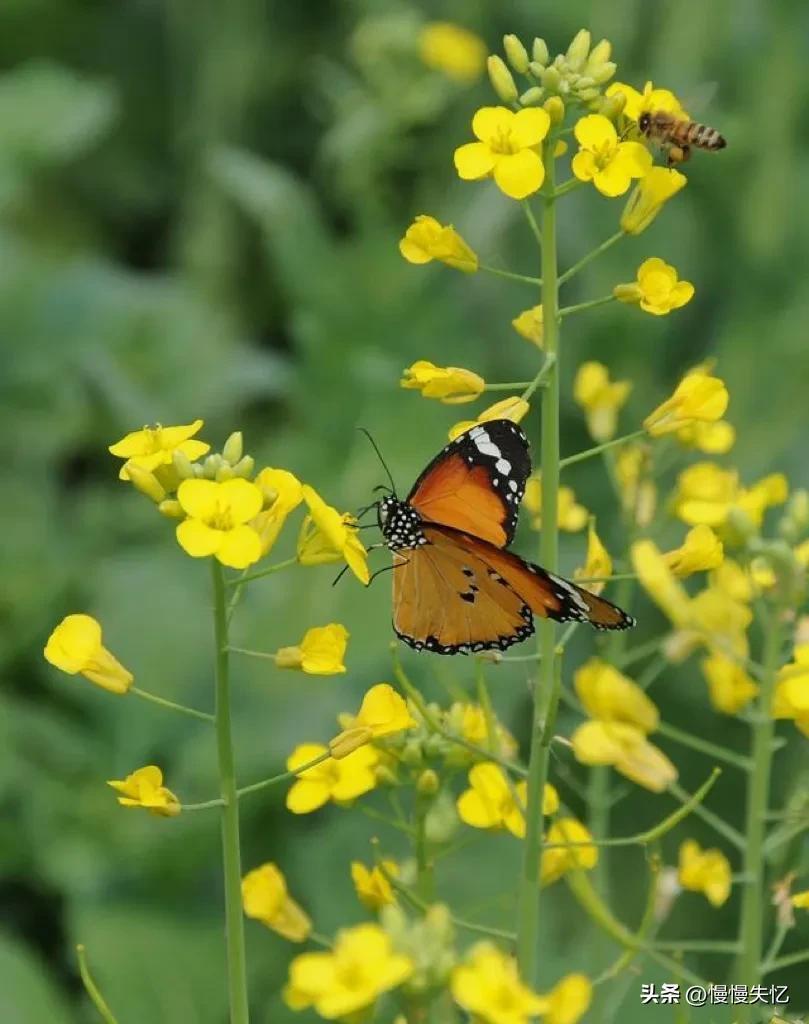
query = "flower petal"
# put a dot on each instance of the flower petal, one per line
(490, 122)
(595, 131)
(241, 498)
(198, 497)
(473, 161)
(197, 538)
(520, 174)
(530, 126)
(239, 547)
(584, 165)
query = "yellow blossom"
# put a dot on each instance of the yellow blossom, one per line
(265, 898)
(383, 712)
(729, 686)
(801, 900)
(567, 1001)
(649, 196)
(491, 803)
(659, 581)
(529, 325)
(706, 871)
(320, 653)
(756, 499)
(470, 722)
(638, 491)
(282, 492)
(144, 788)
(610, 696)
(507, 149)
(450, 384)
(601, 399)
(372, 885)
(657, 289)
(216, 520)
(155, 446)
(557, 860)
(733, 580)
(427, 239)
(348, 978)
(696, 397)
(603, 159)
(514, 409)
(705, 493)
(712, 438)
(791, 699)
(453, 50)
(338, 780)
(626, 748)
(571, 516)
(326, 536)
(700, 550)
(598, 563)
(75, 647)
(647, 102)
(487, 985)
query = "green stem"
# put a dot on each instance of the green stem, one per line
(590, 304)
(567, 186)
(788, 961)
(145, 695)
(511, 276)
(599, 249)
(732, 835)
(241, 580)
(91, 988)
(546, 689)
(607, 579)
(425, 880)
(511, 386)
(532, 221)
(705, 747)
(758, 789)
(231, 853)
(542, 377)
(589, 452)
(775, 946)
(283, 776)
(698, 946)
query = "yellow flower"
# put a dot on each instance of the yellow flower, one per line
(598, 561)
(557, 860)
(453, 50)
(656, 289)
(649, 196)
(600, 398)
(282, 493)
(450, 384)
(791, 698)
(514, 409)
(75, 647)
(626, 748)
(713, 438)
(320, 653)
(372, 885)
(603, 159)
(696, 397)
(611, 697)
(217, 516)
(382, 713)
(326, 536)
(529, 325)
(638, 491)
(507, 149)
(349, 977)
(469, 721)
(729, 686)
(265, 898)
(755, 500)
(567, 1001)
(705, 493)
(706, 871)
(647, 102)
(490, 801)
(801, 900)
(732, 580)
(338, 780)
(426, 240)
(155, 446)
(700, 550)
(487, 985)
(144, 788)
(659, 581)
(570, 515)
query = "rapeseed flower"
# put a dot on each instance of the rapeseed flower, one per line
(649, 197)
(450, 384)
(372, 885)
(487, 985)
(557, 860)
(705, 871)
(701, 550)
(144, 788)
(647, 102)
(657, 289)
(453, 50)
(604, 159)
(571, 516)
(627, 749)
(382, 712)
(340, 780)
(567, 1001)
(327, 536)
(265, 898)
(320, 653)
(514, 409)
(601, 399)
(282, 493)
(598, 562)
(426, 240)
(529, 325)
(152, 447)
(507, 149)
(75, 647)
(491, 803)
(216, 520)
(730, 688)
(696, 397)
(610, 696)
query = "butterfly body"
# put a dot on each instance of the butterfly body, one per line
(456, 587)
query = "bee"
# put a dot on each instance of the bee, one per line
(678, 136)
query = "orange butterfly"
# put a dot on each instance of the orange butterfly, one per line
(456, 587)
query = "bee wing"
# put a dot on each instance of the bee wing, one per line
(696, 99)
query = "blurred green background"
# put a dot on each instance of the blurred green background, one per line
(199, 211)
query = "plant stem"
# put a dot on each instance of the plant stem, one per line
(231, 854)
(273, 780)
(546, 689)
(758, 789)
(712, 749)
(589, 452)
(511, 276)
(241, 580)
(590, 304)
(145, 695)
(732, 835)
(98, 1001)
(599, 249)
(510, 386)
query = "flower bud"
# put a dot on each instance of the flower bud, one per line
(244, 467)
(551, 79)
(516, 53)
(536, 69)
(233, 448)
(578, 50)
(411, 754)
(501, 79)
(612, 106)
(183, 466)
(428, 783)
(604, 72)
(539, 51)
(740, 524)
(146, 482)
(225, 472)
(555, 108)
(210, 465)
(349, 740)
(599, 54)
(586, 95)
(171, 509)
(532, 97)
(441, 821)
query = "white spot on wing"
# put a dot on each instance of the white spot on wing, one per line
(503, 466)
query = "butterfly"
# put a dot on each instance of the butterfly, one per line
(456, 586)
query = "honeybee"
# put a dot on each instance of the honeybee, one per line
(677, 136)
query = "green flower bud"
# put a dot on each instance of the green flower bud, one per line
(233, 448)
(581, 82)
(536, 70)
(613, 106)
(386, 776)
(578, 50)
(411, 753)
(183, 466)
(555, 108)
(428, 783)
(539, 51)
(599, 54)
(604, 72)
(171, 509)
(225, 472)
(551, 79)
(146, 482)
(244, 467)
(441, 821)
(211, 465)
(740, 525)
(434, 745)
(588, 94)
(532, 97)
(516, 53)
(501, 79)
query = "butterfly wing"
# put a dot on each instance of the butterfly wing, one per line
(477, 482)
(447, 600)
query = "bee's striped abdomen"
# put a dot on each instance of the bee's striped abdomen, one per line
(704, 137)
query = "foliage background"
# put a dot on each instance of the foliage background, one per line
(199, 208)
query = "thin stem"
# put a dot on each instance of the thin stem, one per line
(589, 452)
(421, 904)
(91, 988)
(425, 879)
(718, 824)
(775, 946)
(511, 276)
(712, 749)
(788, 961)
(599, 249)
(204, 806)
(266, 655)
(698, 946)
(752, 914)
(532, 221)
(511, 386)
(241, 580)
(283, 776)
(231, 853)
(590, 304)
(541, 379)
(567, 186)
(145, 695)
(546, 690)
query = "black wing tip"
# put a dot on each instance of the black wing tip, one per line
(431, 645)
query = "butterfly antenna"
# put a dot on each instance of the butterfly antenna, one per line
(379, 456)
